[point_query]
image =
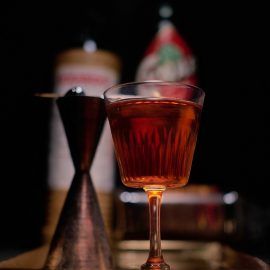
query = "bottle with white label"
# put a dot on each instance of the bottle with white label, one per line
(94, 70)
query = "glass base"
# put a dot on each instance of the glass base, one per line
(155, 266)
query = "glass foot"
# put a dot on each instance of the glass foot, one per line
(155, 266)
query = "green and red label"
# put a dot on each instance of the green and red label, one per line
(168, 58)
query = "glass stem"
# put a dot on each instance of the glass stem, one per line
(155, 253)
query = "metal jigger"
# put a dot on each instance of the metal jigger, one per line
(80, 240)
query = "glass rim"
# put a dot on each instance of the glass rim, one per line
(160, 82)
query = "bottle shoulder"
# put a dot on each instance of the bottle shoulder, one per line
(79, 56)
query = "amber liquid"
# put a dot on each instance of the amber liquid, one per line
(154, 140)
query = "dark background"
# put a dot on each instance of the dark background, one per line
(230, 44)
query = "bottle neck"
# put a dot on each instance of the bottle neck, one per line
(165, 10)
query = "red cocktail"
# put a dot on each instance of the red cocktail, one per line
(154, 127)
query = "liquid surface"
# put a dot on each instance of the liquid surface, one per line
(154, 140)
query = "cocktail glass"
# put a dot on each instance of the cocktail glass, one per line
(154, 126)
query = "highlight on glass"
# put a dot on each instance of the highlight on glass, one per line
(154, 126)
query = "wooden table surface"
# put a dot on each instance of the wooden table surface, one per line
(180, 255)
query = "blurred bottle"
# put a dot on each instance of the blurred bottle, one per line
(201, 207)
(94, 69)
(168, 56)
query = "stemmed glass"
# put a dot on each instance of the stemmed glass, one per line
(154, 126)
